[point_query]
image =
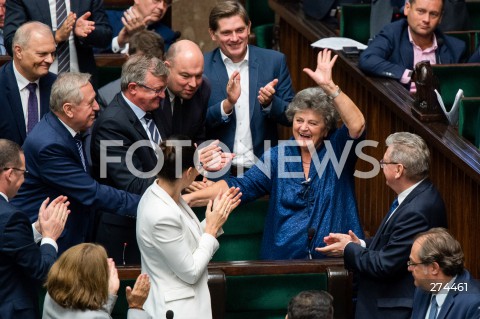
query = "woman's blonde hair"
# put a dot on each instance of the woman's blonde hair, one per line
(79, 278)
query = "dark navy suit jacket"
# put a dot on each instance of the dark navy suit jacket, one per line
(263, 66)
(21, 11)
(458, 304)
(12, 121)
(55, 168)
(385, 287)
(390, 53)
(23, 264)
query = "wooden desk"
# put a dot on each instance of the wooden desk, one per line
(455, 166)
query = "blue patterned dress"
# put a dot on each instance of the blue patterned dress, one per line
(326, 202)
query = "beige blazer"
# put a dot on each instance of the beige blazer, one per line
(175, 253)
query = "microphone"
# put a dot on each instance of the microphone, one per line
(311, 234)
(169, 314)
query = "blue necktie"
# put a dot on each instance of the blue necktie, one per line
(152, 128)
(433, 308)
(79, 142)
(63, 49)
(393, 207)
(32, 118)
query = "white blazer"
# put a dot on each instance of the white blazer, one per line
(175, 253)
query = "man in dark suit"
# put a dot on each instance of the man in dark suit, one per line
(56, 162)
(385, 288)
(184, 108)
(400, 45)
(23, 264)
(143, 14)
(128, 119)
(85, 26)
(29, 67)
(144, 42)
(251, 87)
(445, 289)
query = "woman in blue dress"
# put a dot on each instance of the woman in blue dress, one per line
(309, 178)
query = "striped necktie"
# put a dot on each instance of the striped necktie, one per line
(433, 308)
(63, 50)
(79, 142)
(152, 128)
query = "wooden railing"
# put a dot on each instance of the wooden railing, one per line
(455, 165)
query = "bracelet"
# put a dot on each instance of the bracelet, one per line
(332, 96)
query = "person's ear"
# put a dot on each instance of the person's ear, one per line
(68, 109)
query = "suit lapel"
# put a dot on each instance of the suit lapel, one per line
(166, 110)
(44, 8)
(193, 224)
(407, 49)
(221, 75)
(253, 80)
(15, 102)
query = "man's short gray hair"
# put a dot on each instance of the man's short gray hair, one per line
(136, 68)
(67, 89)
(412, 152)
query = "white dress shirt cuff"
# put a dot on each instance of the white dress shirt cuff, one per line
(363, 244)
(115, 46)
(36, 235)
(224, 115)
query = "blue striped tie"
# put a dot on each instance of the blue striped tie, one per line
(433, 308)
(79, 142)
(152, 128)
(63, 50)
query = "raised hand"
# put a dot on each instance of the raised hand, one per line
(212, 158)
(323, 73)
(84, 27)
(52, 218)
(63, 31)
(113, 281)
(233, 92)
(132, 23)
(217, 212)
(266, 93)
(136, 297)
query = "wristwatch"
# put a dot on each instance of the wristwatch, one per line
(332, 96)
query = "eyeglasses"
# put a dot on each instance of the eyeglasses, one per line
(24, 171)
(411, 263)
(157, 92)
(383, 163)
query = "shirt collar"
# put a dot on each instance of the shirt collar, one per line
(406, 192)
(4, 196)
(442, 294)
(69, 129)
(22, 82)
(434, 44)
(226, 59)
(138, 111)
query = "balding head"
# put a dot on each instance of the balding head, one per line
(33, 50)
(185, 62)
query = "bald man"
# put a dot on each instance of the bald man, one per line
(185, 105)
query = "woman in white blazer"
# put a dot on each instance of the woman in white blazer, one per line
(175, 247)
(83, 284)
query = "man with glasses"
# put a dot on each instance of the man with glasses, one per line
(24, 265)
(130, 118)
(400, 45)
(144, 14)
(385, 288)
(445, 289)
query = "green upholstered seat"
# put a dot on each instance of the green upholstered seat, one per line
(469, 37)
(355, 22)
(243, 232)
(474, 14)
(267, 296)
(469, 120)
(264, 35)
(121, 306)
(259, 12)
(457, 76)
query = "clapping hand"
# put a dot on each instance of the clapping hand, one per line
(84, 27)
